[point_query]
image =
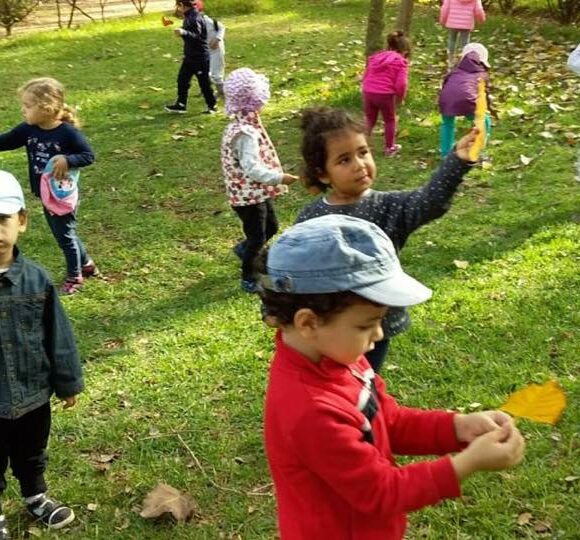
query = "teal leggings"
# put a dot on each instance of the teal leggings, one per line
(448, 131)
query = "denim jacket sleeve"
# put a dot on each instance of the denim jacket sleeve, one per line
(60, 346)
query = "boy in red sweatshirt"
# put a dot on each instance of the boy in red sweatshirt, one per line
(330, 428)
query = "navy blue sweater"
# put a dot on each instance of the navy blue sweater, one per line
(43, 144)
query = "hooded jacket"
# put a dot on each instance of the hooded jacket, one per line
(461, 14)
(459, 92)
(387, 72)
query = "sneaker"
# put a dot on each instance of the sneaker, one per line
(4, 534)
(53, 514)
(176, 108)
(90, 270)
(393, 150)
(249, 286)
(210, 110)
(240, 249)
(72, 285)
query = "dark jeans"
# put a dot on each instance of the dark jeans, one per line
(64, 230)
(260, 224)
(199, 68)
(23, 442)
(378, 355)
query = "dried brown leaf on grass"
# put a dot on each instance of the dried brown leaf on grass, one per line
(165, 499)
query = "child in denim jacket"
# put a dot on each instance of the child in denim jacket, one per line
(38, 357)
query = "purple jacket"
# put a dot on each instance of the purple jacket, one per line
(459, 92)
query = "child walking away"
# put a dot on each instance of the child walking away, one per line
(459, 92)
(384, 86)
(459, 16)
(337, 158)
(195, 59)
(54, 146)
(38, 357)
(217, 51)
(330, 428)
(253, 173)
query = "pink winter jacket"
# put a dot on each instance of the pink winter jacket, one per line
(386, 73)
(461, 14)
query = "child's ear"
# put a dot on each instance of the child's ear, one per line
(306, 322)
(22, 221)
(322, 177)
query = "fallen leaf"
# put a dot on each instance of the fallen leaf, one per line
(155, 88)
(538, 402)
(525, 160)
(35, 531)
(546, 135)
(165, 499)
(516, 111)
(91, 507)
(542, 526)
(461, 264)
(571, 478)
(524, 518)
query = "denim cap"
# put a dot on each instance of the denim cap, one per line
(337, 253)
(11, 196)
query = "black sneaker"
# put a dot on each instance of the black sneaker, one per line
(53, 514)
(210, 110)
(249, 286)
(240, 249)
(4, 534)
(176, 108)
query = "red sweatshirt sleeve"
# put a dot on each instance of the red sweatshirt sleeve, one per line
(329, 443)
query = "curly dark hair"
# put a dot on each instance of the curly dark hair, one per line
(318, 125)
(398, 41)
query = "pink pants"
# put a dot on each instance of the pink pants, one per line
(386, 104)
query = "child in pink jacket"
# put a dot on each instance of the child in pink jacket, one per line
(384, 86)
(459, 17)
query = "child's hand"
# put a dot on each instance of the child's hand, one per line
(288, 179)
(214, 43)
(59, 167)
(464, 144)
(69, 402)
(495, 450)
(178, 32)
(470, 426)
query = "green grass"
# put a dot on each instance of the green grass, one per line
(170, 344)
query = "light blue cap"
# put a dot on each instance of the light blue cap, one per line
(336, 253)
(11, 195)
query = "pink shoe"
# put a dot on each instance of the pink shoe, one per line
(90, 270)
(72, 285)
(393, 150)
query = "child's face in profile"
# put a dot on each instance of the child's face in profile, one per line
(33, 114)
(350, 333)
(350, 168)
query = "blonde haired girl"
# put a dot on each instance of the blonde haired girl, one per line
(49, 133)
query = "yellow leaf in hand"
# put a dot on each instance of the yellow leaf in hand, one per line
(480, 112)
(538, 402)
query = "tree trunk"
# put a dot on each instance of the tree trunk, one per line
(8, 30)
(405, 16)
(375, 27)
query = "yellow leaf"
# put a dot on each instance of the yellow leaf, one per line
(537, 402)
(480, 112)
(461, 264)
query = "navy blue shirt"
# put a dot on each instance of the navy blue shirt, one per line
(399, 213)
(43, 144)
(195, 45)
(38, 353)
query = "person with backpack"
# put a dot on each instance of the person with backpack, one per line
(217, 51)
(195, 59)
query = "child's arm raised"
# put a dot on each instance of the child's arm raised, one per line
(406, 211)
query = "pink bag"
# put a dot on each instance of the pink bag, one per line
(59, 197)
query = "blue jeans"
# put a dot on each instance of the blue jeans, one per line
(64, 230)
(448, 131)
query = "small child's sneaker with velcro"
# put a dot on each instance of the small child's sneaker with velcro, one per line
(53, 514)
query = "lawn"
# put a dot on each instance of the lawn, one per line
(176, 357)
